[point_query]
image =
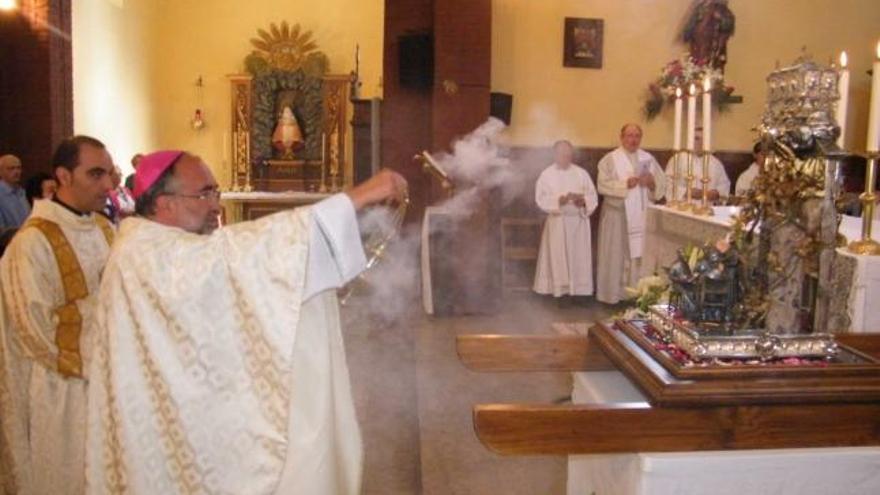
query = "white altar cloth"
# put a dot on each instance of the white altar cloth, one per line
(838, 471)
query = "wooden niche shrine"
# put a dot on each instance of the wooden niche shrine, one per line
(288, 117)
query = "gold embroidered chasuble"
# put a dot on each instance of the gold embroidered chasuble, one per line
(49, 277)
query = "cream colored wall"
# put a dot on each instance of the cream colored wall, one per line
(211, 39)
(588, 106)
(136, 63)
(112, 71)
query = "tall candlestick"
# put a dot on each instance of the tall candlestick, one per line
(676, 150)
(692, 117)
(874, 119)
(676, 139)
(707, 115)
(843, 102)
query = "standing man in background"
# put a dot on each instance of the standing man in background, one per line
(14, 207)
(630, 179)
(566, 194)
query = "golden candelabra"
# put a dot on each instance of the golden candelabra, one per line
(687, 205)
(676, 158)
(704, 209)
(248, 187)
(867, 245)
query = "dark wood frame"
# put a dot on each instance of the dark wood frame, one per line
(569, 46)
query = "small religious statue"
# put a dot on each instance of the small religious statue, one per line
(710, 290)
(287, 137)
(708, 27)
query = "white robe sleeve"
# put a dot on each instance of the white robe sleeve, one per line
(336, 253)
(591, 199)
(546, 196)
(27, 278)
(608, 182)
(719, 179)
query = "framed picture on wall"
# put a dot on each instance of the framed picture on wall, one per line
(582, 43)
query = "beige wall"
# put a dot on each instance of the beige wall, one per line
(112, 74)
(189, 39)
(588, 106)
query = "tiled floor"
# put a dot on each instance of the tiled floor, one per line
(414, 399)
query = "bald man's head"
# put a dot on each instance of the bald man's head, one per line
(631, 137)
(10, 169)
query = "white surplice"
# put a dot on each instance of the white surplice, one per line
(565, 260)
(621, 224)
(42, 413)
(220, 365)
(718, 179)
(744, 182)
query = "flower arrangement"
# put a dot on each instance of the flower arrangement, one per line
(649, 291)
(681, 73)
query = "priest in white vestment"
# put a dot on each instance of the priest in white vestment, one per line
(719, 183)
(49, 277)
(745, 180)
(565, 192)
(629, 180)
(219, 362)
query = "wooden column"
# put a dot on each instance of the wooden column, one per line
(36, 94)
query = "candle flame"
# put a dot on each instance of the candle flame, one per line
(843, 60)
(707, 84)
(678, 92)
(8, 5)
(693, 89)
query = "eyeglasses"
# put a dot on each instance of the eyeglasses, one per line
(212, 195)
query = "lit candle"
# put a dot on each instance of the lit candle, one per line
(676, 140)
(843, 102)
(707, 114)
(692, 117)
(874, 119)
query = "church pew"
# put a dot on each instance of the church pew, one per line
(539, 429)
(531, 353)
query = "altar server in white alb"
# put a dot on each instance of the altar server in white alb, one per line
(49, 278)
(565, 192)
(219, 363)
(630, 179)
(719, 183)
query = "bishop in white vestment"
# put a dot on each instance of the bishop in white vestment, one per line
(220, 365)
(49, 277)
(565, 192)
(630, 179)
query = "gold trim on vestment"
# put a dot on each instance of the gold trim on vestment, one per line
(73, 280)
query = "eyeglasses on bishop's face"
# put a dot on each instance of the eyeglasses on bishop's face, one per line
(209, 195)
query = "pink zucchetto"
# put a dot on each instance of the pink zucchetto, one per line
(151, 168)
